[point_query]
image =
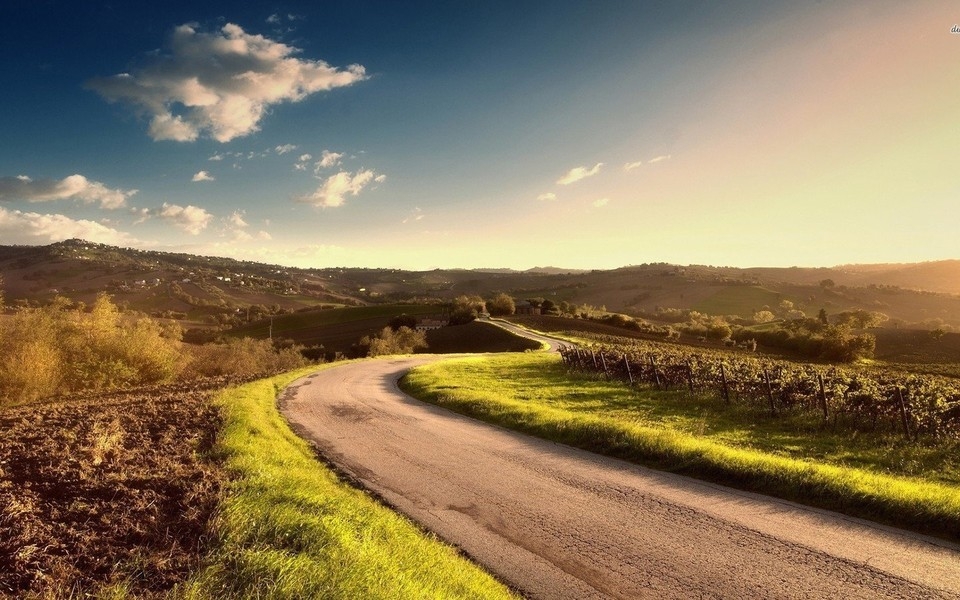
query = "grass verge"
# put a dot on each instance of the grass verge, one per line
(288, 528)
(880, 478)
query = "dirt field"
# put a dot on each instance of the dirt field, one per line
(106, 489)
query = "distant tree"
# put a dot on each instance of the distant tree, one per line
(827, 284)
(403, 320)
(402, 341)
(548, 307)
(822, 316)
(937, 334)
(465, 309)
(763, 316)
(501, 305)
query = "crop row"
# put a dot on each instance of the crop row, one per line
(864, 400)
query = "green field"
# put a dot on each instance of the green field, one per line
(738, 300)
(335, 329)
(882, 477)
(287, 528)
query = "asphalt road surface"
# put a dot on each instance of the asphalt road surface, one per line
(555, 522)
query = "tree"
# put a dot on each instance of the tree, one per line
(501, 305)
(548, 308)
(827, 284)
(404, 320)
(822, 316)
(465, 309)
(763, 316)
(402, 341)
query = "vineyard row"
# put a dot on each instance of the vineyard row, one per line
(870, 401)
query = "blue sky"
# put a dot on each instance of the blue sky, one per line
(485, 134)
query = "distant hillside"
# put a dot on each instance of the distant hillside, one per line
(924, 294)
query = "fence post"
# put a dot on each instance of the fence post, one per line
(766, 378)
(603, 362)
(689, 376)
(823, 396)
(656, 374)
(903, 413)
(626, 363)
(723, 378)
(593, 355)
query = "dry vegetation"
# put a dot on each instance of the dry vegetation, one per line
(110, 490)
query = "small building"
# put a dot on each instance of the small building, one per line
(428, 324)
(525, 308)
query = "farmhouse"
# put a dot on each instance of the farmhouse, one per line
(525, 308)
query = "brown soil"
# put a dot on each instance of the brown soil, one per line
(104, 489)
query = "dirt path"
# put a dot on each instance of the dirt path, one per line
(556, 522)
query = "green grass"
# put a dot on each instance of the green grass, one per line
(288, 528)
(881, 477)
(738, 300)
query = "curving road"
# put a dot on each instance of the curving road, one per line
(556, 522)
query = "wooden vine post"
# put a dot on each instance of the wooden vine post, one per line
(689, 376)
(903, 412)
(626, 363)
(766, 378)
(823, 396)
(656, 374)
(726, 388)
(603, 362)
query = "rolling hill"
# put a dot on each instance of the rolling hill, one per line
(207, 289)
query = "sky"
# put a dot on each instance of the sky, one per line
(470, 134)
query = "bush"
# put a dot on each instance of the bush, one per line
(388, 341)
(63, 349)
(243, 357)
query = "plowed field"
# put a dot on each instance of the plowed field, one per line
(106, 489)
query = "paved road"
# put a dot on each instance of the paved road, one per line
(555, 522)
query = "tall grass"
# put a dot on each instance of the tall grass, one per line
(699, 437)
(289, 529)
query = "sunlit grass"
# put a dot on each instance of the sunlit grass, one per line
(289, 529)
(885, 477)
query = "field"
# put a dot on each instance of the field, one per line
(334, 329)
(107, 493)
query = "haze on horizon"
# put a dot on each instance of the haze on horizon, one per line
(576, 134)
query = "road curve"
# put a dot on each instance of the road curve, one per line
(556, 522)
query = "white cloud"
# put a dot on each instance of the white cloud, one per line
(216, 156)
(328, 159)
(74, 187)
(660, 158)
(380, 178)
(274, 19)
(203, 176)
(332, 191)
(415, 215)
(578, 173)
(601, 202)
(285, 148)
(17, 227)
(219, 84)
(632, 165)
(547, 196)
(189, 218)
(237, 220)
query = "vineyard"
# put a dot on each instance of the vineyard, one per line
(856, 399)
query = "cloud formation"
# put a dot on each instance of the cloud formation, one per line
(660, 158)
(219, 84)
(601, 202)
(632, 165)
(237, 229)
(328, 159)
(578, 173)
(191, 219)
(74, 187)
(17, 227)
(203, 176)
(547, 196)
(285, 148)
(334, 189)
